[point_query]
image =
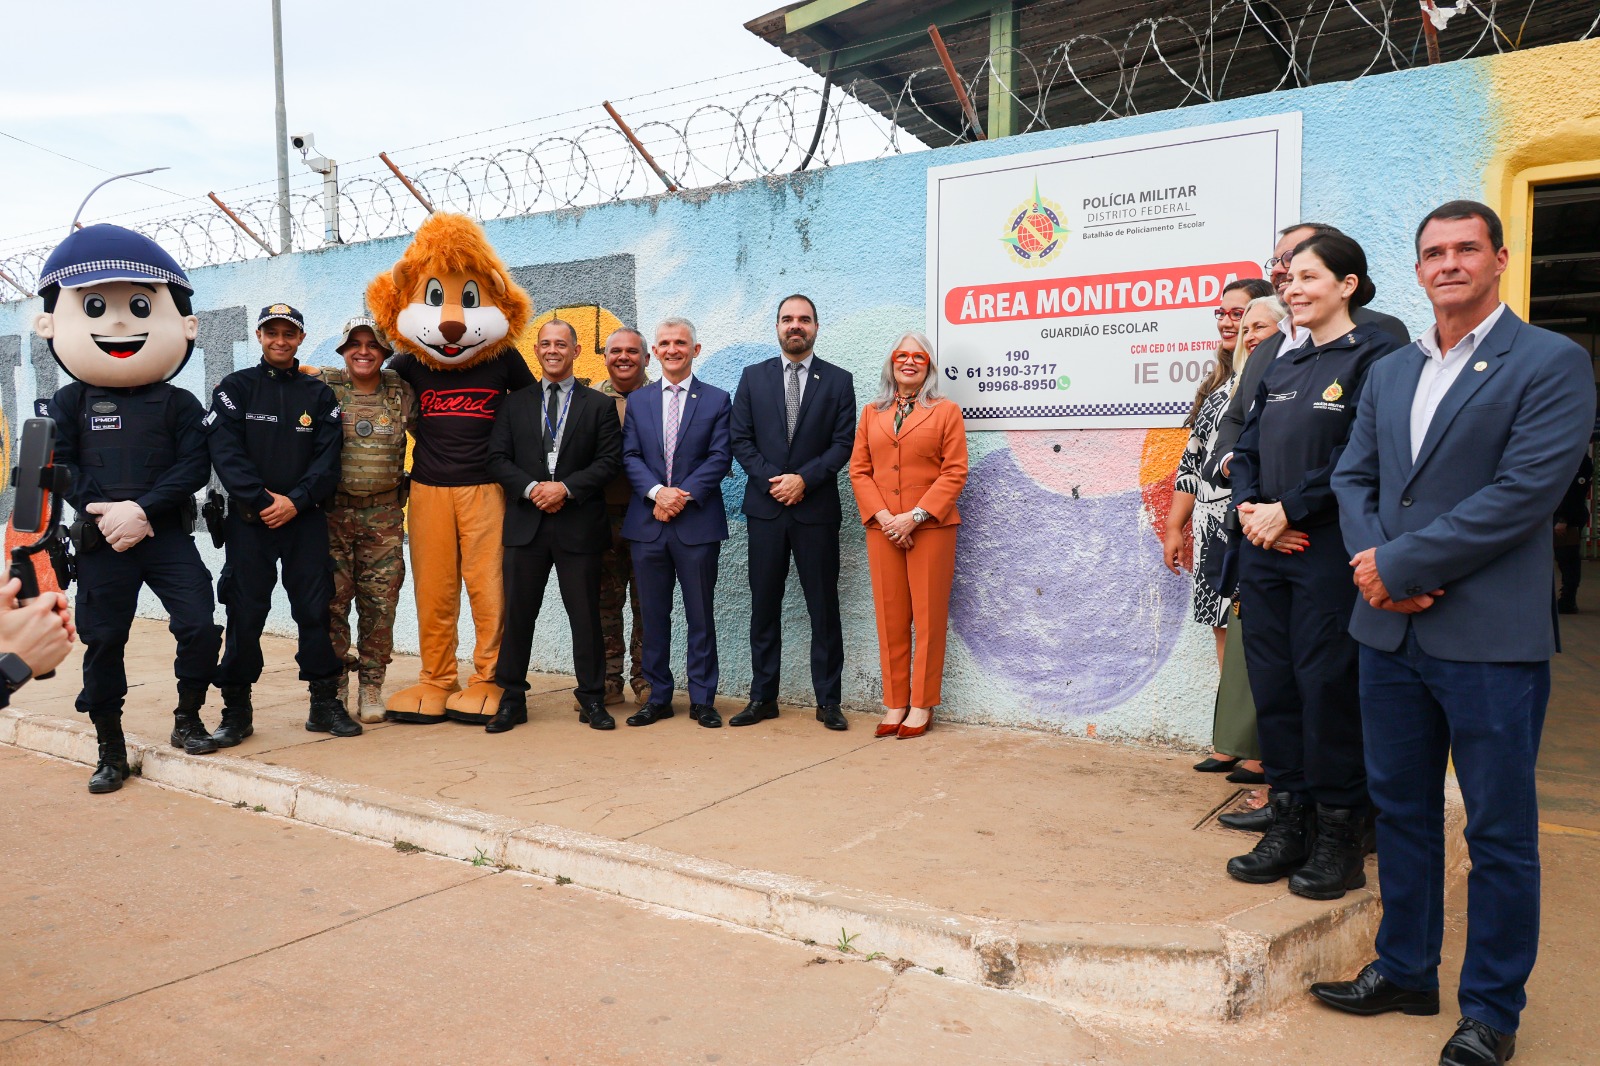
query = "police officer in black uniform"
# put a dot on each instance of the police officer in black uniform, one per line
(117, 317)
(1296, 606)
(275, 439)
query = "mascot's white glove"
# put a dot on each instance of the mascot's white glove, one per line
(122, 524)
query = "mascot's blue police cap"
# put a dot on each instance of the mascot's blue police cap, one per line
(103, 253)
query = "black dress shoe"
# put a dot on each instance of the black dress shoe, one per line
(1372, 993)
(594, 715)
(1284, 848)
(507, 716)
(706, 715)
(832, 717)
(1242, 776)
(1258, 821)
(1476, 1044)
(1211, 765)
(650, 714)
(755, 711)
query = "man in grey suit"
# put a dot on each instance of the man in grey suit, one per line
(1463, 445)
(1286, 339)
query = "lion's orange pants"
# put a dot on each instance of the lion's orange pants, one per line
(455, 539)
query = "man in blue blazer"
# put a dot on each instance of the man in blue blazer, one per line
(675, 452)
(1463, 445)
(793, 429)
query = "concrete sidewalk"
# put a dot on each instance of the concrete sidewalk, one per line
(1084, 873)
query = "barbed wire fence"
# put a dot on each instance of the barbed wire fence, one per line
(734, 131)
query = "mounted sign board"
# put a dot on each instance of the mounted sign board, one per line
(1074, 288)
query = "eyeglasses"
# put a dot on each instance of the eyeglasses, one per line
(1232, 314)
(918, 358)
(1275, 262)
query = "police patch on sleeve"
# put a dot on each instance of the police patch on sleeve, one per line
(41, 408)
(225, 400)
(209, 420)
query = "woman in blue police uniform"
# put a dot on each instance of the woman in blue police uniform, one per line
(275, 438)
(117, 317)
(1300, 656)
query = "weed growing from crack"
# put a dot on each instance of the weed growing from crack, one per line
(259, 808)
(846, 944)
(563, 880)
(240, 805)
(481, 859)
(405, 847)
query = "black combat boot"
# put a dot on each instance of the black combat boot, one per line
(188, 732)
(1337, 858)
(111, 770)
(237, 715)
(327, 710)
(1283, 849)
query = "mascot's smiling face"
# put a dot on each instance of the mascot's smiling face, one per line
(449, 316)
(449, 301)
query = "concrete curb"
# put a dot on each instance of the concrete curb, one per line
(1236, 970)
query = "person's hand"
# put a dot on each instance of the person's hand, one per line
(672, 501)
(40, 632)
(123, 524)
(1175, 553)
(1292, 542)
(1263, 523)
(1561, 527)
(279, 512)
(787, 489)
(899, 529)
(549, 496)
(662, 514)
(1412, 605)
(1227, 461)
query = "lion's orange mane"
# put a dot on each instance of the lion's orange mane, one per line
(448, 244)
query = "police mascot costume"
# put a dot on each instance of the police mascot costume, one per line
(453, 312)
(118, 319)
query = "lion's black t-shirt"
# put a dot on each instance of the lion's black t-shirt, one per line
(457, 409)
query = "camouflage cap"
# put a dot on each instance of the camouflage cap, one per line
(356, 322)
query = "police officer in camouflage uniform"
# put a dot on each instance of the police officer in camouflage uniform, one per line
(627, 355)
(366, 518)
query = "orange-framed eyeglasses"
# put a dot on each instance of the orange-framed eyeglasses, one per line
(916, 358)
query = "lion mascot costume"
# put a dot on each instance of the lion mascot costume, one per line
(453, 312)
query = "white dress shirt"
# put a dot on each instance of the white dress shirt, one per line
(805, 373)
(563, 405)
(667, 400)
(1440, 372)
(1293, 336)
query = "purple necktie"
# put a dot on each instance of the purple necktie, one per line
(670, 443)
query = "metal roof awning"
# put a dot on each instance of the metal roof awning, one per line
(1042, 64)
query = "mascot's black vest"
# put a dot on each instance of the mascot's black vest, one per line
(127, 438)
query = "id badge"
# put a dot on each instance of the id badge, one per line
(550, 462)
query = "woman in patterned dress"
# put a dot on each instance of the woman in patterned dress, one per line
(1196, 498)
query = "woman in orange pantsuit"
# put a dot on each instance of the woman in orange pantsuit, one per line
(908, 467)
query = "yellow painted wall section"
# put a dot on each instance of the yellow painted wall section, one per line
(1546, 128)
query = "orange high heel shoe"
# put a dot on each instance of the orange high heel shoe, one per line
(906, 732)
(889, 730)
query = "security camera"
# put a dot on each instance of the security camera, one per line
(303, 142)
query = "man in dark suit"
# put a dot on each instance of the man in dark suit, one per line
(553, 448)
(1463, 445)
(675, 452)
(1244, 390)
(793, 428)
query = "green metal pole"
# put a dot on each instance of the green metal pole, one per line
(1004, 112)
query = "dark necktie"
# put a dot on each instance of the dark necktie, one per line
(793, 397)
(552, 411)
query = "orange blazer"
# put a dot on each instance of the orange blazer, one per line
(924, 465)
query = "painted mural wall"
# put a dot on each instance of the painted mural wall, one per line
(1063, 617)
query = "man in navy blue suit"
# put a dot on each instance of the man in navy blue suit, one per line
(675, 452)
(793, 428)
(1463, 445)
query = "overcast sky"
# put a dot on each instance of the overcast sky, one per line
(188, 85)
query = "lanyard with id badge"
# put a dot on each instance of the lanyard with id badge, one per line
(553, 440)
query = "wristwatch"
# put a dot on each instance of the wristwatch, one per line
(14, 671)
(919, 516)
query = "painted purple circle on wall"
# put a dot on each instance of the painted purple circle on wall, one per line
(1064, 599)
